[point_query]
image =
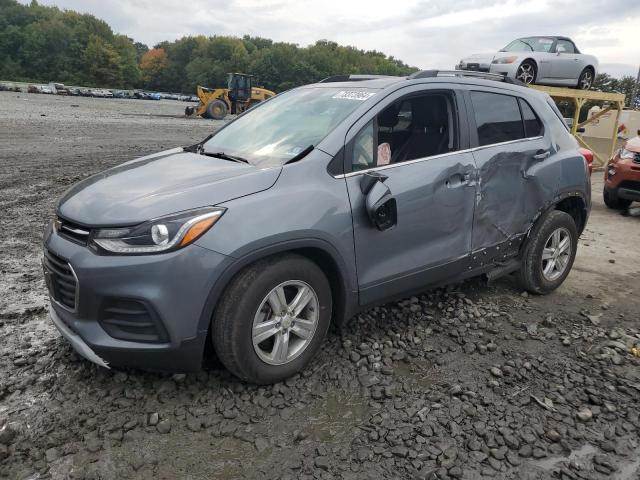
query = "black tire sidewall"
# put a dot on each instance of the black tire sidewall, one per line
(612, 201)
(243, 298)
(210, 107)
(531, 275)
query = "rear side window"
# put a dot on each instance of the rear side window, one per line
(497, 118)
(532, 124)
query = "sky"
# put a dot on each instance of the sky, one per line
(422, 33)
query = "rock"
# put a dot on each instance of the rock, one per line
(496, 372)
(51, 455)
(164, 426)
(7, 434)
(584, 414)
(400, 451)
(153, 419)
(455, 472)
(553, 435)
(93, 445)
(455, 390)
(525, 451)
(261, 444)
(322, 463)
(194, 423)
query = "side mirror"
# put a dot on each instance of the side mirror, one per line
(379, 202)
(580, 130)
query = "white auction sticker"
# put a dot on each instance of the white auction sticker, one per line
(360, 95)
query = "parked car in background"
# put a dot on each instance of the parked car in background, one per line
(74, 92)
(549, 60)
(47, 89)
(309, 208)
(622, 176)
(34, 89)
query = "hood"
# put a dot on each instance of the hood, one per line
(633, 144)
(160, 184)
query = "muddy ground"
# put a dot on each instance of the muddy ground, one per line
(470, 382)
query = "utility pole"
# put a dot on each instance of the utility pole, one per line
(634, 100)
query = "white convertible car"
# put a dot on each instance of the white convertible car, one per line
(541, 60)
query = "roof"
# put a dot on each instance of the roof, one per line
(424, 76)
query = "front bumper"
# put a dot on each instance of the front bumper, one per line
(506, 69)
(173, 286)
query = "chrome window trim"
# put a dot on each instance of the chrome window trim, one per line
(442, 155)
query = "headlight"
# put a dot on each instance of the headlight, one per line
(159, 235)
(503, 60)
(626, 154)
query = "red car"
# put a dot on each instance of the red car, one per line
(622, 176)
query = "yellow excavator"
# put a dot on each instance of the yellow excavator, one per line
(239, 95)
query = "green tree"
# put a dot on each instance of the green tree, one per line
(103, 63)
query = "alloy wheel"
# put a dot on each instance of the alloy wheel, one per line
(526, 73)
(285, 322)
(556, 254)
(586, 80)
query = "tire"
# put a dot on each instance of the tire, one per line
(527, 72)
(216, 109)
(243, 307)
(612, 201)
(532, 275)
(585, 80)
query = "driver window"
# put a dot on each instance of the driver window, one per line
(412, 128)
(564, 47)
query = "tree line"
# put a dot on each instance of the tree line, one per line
(41, 44)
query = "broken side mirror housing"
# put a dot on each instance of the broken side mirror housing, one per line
(381, 206)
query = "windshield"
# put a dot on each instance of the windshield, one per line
(281, 128)
(531, 44)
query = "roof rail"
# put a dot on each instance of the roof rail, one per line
(498, 77)
(352, 78)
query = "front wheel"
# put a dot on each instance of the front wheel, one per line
(272, 319)
(612, 201)
(527, 72)
(585, 81)
(549, 253)
(216, 109)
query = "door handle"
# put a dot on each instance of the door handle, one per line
(542, 155)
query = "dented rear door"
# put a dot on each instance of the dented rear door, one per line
(517, 178)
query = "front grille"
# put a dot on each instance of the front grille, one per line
(72, 231)
(132, 320)
(60, 279)
(630, 185)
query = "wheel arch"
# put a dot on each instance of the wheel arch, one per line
(320, 252)
(575, 206)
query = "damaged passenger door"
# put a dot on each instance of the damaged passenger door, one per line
(412, 193)
(515, 177)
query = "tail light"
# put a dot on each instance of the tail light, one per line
(588, 157)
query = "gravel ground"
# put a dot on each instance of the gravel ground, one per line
(469, 382)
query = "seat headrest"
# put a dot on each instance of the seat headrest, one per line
(429, 112)
(389, 116)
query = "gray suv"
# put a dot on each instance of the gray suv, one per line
(308, 208)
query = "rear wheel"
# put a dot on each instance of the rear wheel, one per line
(612, 201)
(216, 109)
(527, 72)
(549, 253)
(272, 319)
(585, 80)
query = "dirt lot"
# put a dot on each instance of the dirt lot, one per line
(473, 381)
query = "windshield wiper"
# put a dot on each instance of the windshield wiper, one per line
(225, 156)
(300, 155)
(527, 44)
